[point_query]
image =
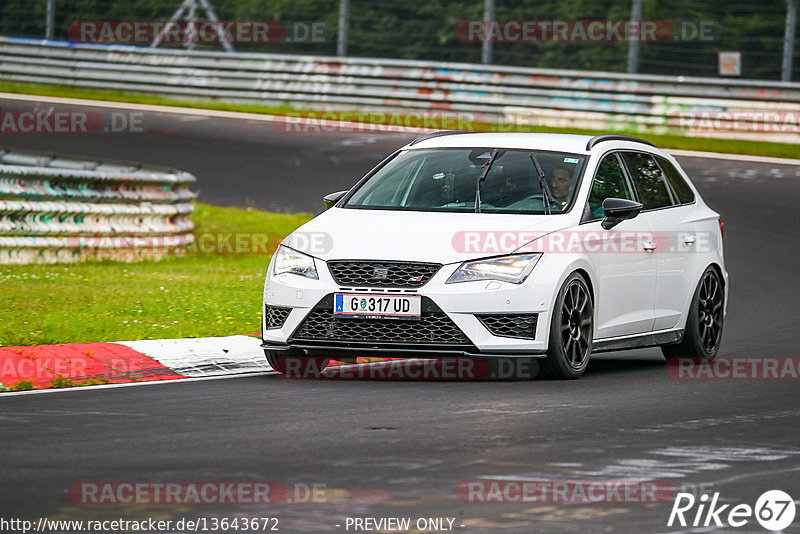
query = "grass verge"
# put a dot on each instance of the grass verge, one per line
(680, 142)
(195, 295)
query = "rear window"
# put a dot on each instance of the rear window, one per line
(648, 180)
(679, 186)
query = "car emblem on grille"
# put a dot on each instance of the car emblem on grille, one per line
(380, 273)
(415, 279)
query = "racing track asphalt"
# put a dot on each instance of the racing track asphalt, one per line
(386, 448)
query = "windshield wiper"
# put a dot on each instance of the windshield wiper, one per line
(482, 177)
(547, 197)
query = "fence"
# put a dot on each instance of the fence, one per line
(691, 32)
(741, 109)
(61, 209)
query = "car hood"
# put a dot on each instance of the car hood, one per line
(419, 236)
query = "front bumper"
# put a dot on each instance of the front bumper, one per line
(461, 304)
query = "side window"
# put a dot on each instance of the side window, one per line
(648, 180)
(609, 182)
(679, 186)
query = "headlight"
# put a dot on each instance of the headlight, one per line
(514, 269)
(291, 261)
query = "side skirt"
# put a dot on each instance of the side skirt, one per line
(650, 339)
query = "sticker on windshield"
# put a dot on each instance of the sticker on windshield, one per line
(571, 160)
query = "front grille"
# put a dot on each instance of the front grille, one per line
(382, 273)
(276, 316)
(433, 328)
(515, 325)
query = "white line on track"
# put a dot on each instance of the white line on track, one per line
(324, 122)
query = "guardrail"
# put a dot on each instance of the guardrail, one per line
(62, 209)
(509, 95)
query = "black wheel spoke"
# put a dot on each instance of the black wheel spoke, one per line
(709, 315)
(576, 324)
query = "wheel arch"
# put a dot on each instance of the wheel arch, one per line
(583, 272)
(723, 280)
(717, 268)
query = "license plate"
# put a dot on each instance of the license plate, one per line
(371, 306)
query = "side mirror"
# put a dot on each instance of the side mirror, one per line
(333, 198)
(618, 210)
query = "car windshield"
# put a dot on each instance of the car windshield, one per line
(473, 180)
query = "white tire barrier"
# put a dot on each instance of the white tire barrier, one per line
(57, 209)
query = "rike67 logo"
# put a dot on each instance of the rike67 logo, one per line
(774, 510)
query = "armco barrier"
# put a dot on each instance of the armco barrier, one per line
(510, 95)
(60, 209)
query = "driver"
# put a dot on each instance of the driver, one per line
(561, 186)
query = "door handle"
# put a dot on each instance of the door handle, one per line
(689, 239)
(649, 246)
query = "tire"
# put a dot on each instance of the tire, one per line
(290, 364)
(571, 331)
(703, 332)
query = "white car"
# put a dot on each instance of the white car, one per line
(503, 245)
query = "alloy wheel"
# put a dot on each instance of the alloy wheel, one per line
(709, 312)
(576, 324)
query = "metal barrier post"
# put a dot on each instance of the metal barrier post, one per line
(486, 43)
(633, 44)
(788, 40)
(51, 15)
(344, 21)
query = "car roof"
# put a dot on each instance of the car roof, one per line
(576, 144)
